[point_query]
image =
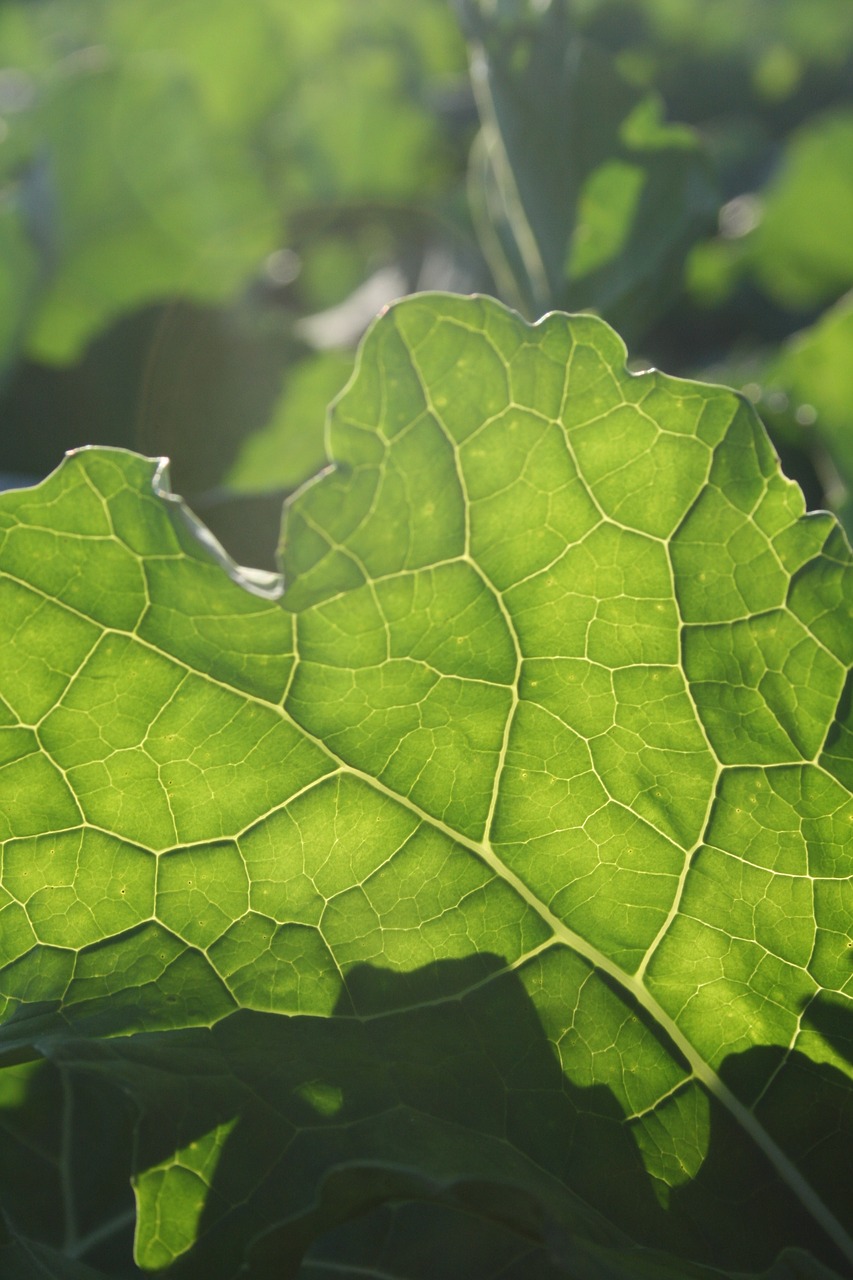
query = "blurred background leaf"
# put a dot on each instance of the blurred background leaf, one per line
(65, 1196)
(183, 186)
(583, 197)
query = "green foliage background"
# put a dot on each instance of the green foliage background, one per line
(201, 212)
(188, 192)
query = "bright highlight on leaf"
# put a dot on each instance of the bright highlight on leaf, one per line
(504, 863)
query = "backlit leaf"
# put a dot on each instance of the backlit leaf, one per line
(503, 864)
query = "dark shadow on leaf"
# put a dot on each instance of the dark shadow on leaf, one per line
(65, 1165)
(837, 755)
(806, 1107)
(419, 1241)
(456, 1098)
(833, 1020)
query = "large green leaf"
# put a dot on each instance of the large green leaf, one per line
(501, 866)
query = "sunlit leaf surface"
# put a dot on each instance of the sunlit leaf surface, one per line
(503, 863)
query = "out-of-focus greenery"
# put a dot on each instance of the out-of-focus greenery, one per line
(202, 205)
(183, 184)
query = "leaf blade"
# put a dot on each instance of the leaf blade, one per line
(504, 779)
